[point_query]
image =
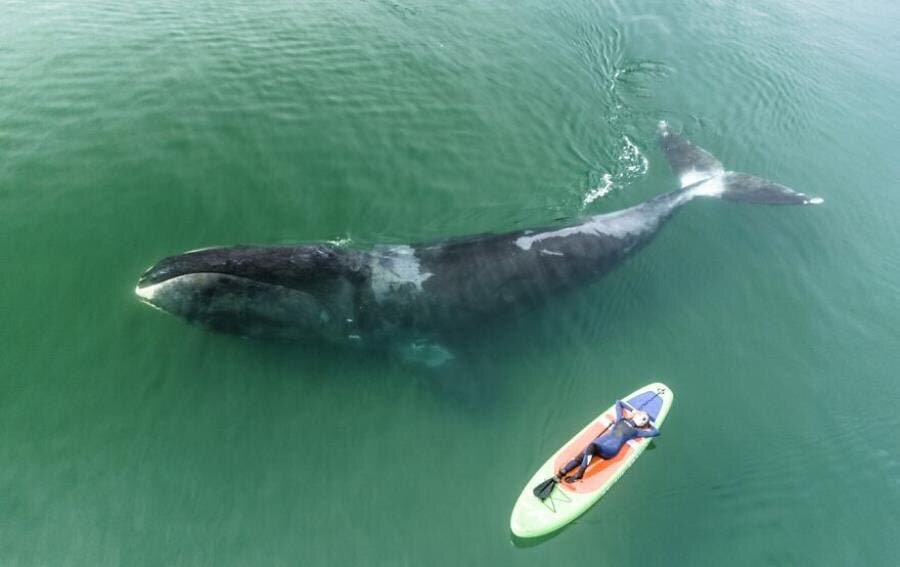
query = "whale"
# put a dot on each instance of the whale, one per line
(391, 294)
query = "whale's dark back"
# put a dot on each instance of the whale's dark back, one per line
(485, 275)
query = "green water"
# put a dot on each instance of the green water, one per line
(134, 130)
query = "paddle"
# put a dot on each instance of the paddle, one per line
(544, 489)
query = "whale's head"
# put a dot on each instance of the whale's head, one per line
(292, 292)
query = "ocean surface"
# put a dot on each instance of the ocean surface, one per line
(130, 131)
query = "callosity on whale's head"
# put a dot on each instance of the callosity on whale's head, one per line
(290, 292)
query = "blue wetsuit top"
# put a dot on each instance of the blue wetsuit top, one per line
(610, 442)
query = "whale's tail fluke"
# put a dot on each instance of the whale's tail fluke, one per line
(702, 175)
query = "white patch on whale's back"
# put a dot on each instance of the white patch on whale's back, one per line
(619, 224)
(393, 267)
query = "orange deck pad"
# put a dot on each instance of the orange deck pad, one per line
(600, 470)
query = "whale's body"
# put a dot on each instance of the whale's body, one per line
(411, 292)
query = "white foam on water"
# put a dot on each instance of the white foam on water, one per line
(636, 164)
(606, 185)
(630, 164)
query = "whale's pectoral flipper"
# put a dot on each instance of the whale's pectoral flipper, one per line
(702, 175)
(424, 352)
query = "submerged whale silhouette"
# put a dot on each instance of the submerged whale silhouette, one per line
(411, 292)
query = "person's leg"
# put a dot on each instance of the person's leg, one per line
(588, 454)
(568, 467)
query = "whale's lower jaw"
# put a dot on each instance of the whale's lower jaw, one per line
(165, 294)
(252, 308)
(146, 293)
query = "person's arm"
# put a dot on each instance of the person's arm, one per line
(649, 431)
(620, 405)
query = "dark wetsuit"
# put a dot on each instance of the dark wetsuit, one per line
(609, 443)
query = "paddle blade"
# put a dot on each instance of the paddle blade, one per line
(543, 490)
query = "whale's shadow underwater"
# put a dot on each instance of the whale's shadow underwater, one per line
(405, 296)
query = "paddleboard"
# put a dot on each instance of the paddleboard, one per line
(532, 517)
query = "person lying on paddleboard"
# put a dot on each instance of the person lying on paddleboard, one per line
(608, 444)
